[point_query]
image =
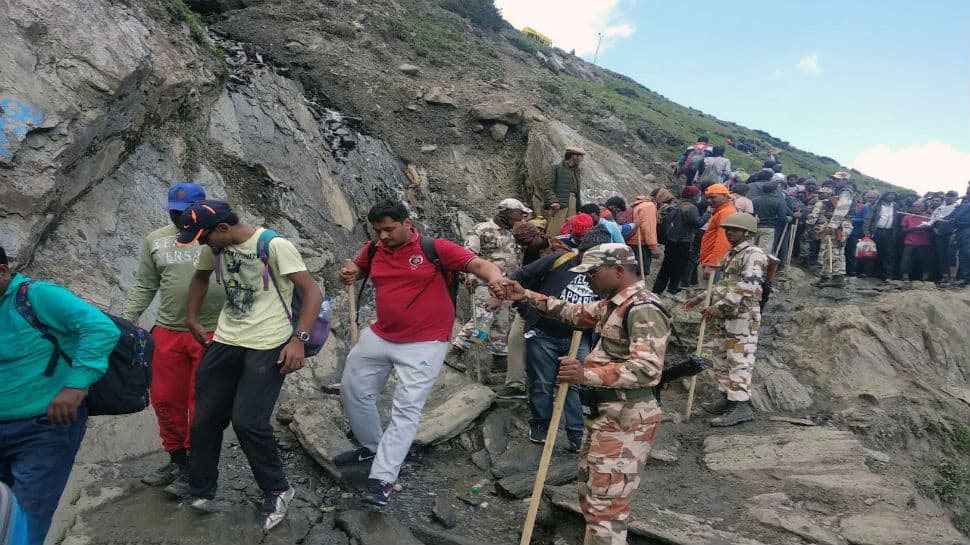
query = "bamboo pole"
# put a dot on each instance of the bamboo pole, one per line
(700, 344)
(352, 303)
(530, 517)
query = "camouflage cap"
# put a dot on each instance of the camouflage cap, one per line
(605, 255)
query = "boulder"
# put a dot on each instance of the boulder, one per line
(498, 131)
(507, 112)
(455, 402)
(409, 69)
(662, 525)
(777, 510)
(375, 528)
(444, 512)
(520, 485)
(436, 95)
(778, 390)
(495, 432)
(523, 457)
(314, 427)
(899, 527)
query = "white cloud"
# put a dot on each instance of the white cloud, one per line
(571, 24)
(809, 65)
(933, 166)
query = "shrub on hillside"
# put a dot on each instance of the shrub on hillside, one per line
(482, 13)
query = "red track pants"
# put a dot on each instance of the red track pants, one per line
(175, 361)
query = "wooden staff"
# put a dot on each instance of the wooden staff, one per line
(828, 240)
(791, 246)
(700, 343)
(781, 240)
(530, 517)
(643, 268)
(352, 303)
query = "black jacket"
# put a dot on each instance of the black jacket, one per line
(680, 226)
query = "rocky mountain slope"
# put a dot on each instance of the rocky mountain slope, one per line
(302, 114)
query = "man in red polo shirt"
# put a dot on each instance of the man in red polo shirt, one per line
(415, 316)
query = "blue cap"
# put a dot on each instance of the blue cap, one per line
(184, 195)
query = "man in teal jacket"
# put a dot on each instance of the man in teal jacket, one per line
(42, 418)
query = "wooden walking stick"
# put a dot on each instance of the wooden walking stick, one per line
(530, 516)
(781, 240)
(700, 343)
(791, 246)
(352, 303)
(643, 268)
(828, 241)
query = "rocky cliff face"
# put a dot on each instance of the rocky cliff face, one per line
(303, 114)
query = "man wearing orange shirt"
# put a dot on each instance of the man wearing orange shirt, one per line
(645, 216)
(715, 244)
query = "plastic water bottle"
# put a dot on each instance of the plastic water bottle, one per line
(325, 309)
(483, 325)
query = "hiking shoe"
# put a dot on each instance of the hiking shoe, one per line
(720, 406)
(204, 505)
(378, 492)
(456, 359)
(537, 433)
(574, 440)
(163, 475)
(738, 414)
(179, 488)
(358, 456)
(515, 391)
(274, 506)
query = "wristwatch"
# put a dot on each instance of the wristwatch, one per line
(302, 336)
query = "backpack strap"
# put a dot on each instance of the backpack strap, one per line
(217, 263)
(663, 309)
(562, 259)
(27, 312)
(262, 252)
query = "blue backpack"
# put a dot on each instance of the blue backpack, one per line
(13, 522)
(321, 328)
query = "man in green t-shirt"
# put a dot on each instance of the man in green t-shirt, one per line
(166, 269)
(254, 347)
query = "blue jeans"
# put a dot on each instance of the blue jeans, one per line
(36, 458)
(541, 366)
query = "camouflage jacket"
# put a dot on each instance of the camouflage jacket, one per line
(742, 273)
(560, 182)
(843, 211)
(622, 358)
(823, 214)
(496, 244)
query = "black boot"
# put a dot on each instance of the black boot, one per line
(739, 413)
(720, 406)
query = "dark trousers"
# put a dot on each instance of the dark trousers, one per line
(673, 268)
(851, 263)
(646, 258)
(36, 458)
(943, 253)
(963, 249)
(886, 248)
(917, 261)
(238, 385)
(542, 365)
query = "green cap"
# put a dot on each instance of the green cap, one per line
(605, 255)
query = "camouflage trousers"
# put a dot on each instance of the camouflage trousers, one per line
(615, 447)
(497, 342)
(837, 250)
(734, 354)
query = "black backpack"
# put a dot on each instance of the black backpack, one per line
(452, 281)
(668, 219)
(124, 387)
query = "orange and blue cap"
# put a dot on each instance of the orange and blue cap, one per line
(199, 217)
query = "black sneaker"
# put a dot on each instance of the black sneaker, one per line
(719, 407)
(574, 440)
(378, 492)
(162, 476)
(274, 506)
(455, 359)
(351, 457)
(515, 391)
(537, 433)
(179, 488)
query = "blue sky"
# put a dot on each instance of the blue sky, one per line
(880, 86)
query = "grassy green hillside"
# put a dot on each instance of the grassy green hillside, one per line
(665, 126)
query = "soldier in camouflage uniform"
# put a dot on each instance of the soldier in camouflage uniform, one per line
(831, 219)
(618, 378)
(736, 305)
(493, 241)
